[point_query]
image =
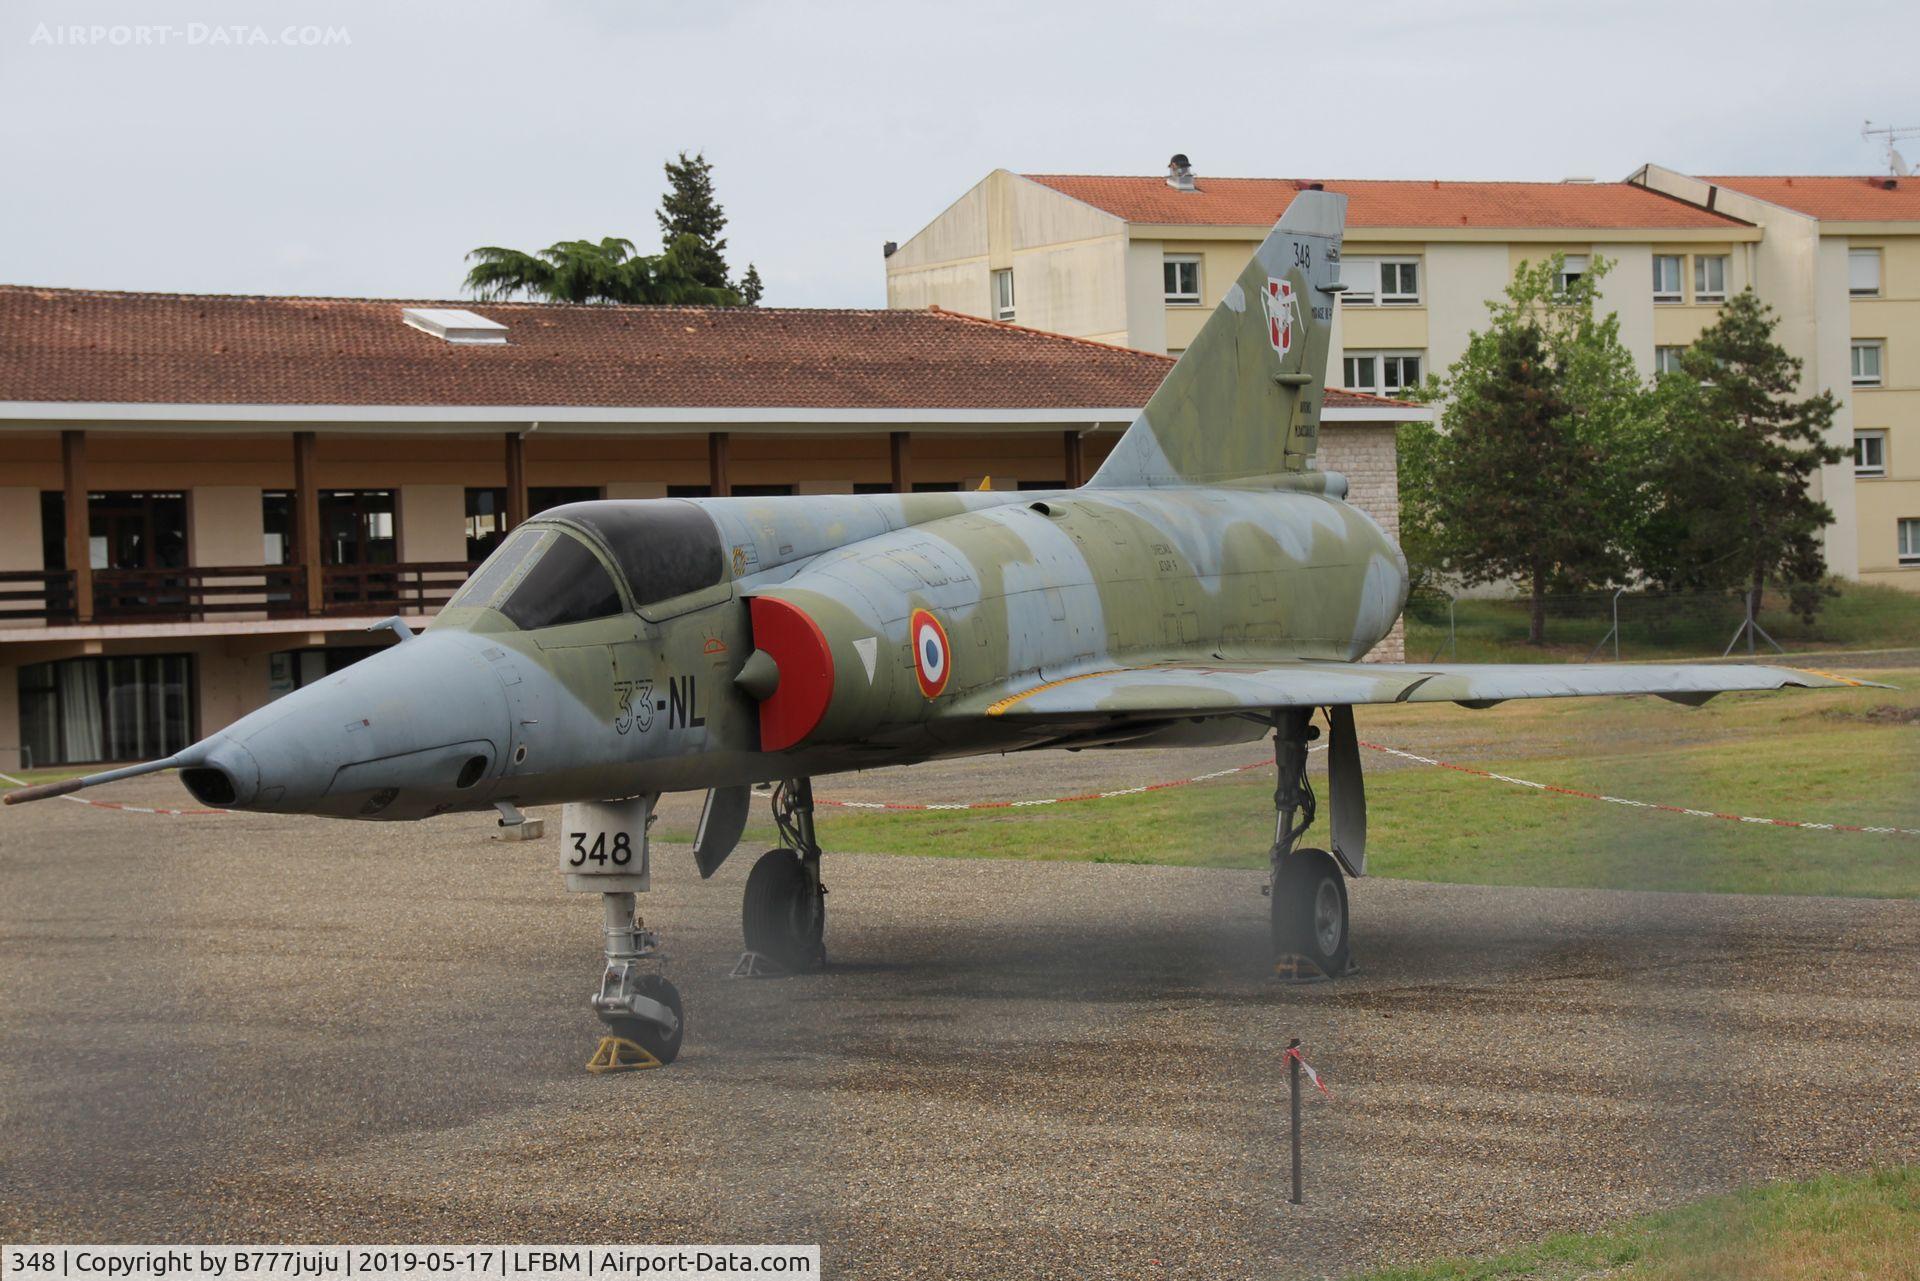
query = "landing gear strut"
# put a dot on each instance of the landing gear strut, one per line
(636, 1001)
(1307, 907)
(604, 851)
(784, 913)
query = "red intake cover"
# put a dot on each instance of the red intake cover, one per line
(799, 649)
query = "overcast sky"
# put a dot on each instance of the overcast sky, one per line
(370, 162)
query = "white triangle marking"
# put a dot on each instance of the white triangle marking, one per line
(868, 647)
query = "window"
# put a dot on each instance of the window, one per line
(1361, 276)
(1388, 281)
(1399, 370)
(356, 527)
(1003, 294)
(1863, 273)
(763, 491)
(566, 584)
(1666, 360)
(1870, 453)
(1666, 277)
(1866, 364)
(1382, 371)
(1709, 277)
(1399, 281)
(1572, 269)
(1182, 275)
(82, 710)
(1909, 546)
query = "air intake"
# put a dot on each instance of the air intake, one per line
(455, 325)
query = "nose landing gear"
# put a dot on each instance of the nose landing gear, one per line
(637, 1002)
(603, 850)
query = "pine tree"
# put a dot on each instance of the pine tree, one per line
(1529, 477)
(749, 286)
(1732, 508)
(689, 209)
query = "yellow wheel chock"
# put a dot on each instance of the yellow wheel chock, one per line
(617, 1054)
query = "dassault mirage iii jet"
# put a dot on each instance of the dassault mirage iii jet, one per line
(1208, 585)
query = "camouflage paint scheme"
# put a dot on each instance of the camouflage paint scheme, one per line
(1204, 577)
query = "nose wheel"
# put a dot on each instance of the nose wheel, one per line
(636, 1001)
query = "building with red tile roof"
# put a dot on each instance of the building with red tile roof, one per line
(1372, 204)
(1139, 260)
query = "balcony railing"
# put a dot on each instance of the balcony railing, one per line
(411, 587)
(197, 593)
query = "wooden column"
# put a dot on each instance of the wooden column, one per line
(900, 456)
(73, 476)
(516, 480)
(306, 518)
(1076, 459)
(719, 449)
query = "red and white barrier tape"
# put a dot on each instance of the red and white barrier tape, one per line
(1293, 1055)
(1390, 751)
(1639, 805)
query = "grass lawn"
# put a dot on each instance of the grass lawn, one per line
(1656, 627)
(1842, 756)
(1865, 1225)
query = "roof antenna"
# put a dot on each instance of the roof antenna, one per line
(1896, 163)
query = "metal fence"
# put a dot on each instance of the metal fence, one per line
(1608, 625)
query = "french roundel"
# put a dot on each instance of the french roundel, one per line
(932, 656)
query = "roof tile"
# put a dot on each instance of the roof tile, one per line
(1836, 199)
(1259, 202)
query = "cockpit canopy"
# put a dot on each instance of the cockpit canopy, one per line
(546, 574)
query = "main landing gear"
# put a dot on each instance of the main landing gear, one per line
(784, 913)
(1307, 893)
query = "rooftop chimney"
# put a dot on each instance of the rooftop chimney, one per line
(1180, 173)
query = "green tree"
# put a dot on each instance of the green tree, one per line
(1534, 471)
(590, 271)
(1731, 506)
(750, 286)
(689, 208)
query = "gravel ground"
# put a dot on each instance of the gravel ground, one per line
(252, 1028)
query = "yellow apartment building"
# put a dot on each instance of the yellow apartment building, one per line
(1140, 262)
(206, 502)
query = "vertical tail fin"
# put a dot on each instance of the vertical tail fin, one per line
(1244, 400)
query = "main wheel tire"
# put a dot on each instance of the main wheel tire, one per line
(647, 1034)
(1309, 910)
(784, 914)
